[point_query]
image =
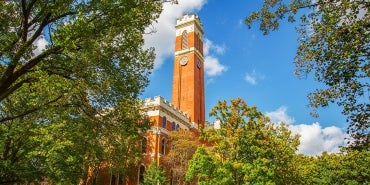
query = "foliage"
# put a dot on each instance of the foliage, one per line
(183, 145)
(155, 175)
(345, 168)
(203, 166)
(72, 104)
(303, 166)
(334, 44)
(248, 148)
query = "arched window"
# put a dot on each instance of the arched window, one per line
(177, 127)
(184, 40)
(173, 126)
(164, 122)
(163, 146)
(144, 144)
(141, 174)
(197, 41)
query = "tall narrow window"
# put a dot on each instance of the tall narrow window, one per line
(177, 127)
(164, 122)
(184, 40)
(141, 174)
(163, 146)
(144, 143)
(173, 126)
(197, 41)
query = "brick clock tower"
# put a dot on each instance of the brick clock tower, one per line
(188, 74)
(186, 112)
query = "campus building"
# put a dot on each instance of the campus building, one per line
(187, 109)
(186, 112)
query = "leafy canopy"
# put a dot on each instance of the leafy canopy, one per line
(154, 175)
(70, 75)
(334, 45)
(247, 148)
(183, 145)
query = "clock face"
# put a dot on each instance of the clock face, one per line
(184, 60)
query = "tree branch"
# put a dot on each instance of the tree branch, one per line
(34, 61)
(61, 16)
(26, 14)
(6, 83)
(10, 76)
(10, 90)
(30, 110)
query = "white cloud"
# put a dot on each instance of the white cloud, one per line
(163, 39)
(210, 47)
(313, 138)
(253, 78)
(250, 79)
(210, 81)
(280, 115)
(212, 66)
(220, 49)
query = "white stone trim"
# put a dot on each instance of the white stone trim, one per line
(159, 101)
(162, 131)
(161, 107)
(190, 23)
(188, 50)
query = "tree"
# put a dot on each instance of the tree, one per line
(334, 45)
(155, 175)
(204, 168)
(93, 52)
(117, 142)
(183, 145)
(70, 76)
(343, 168)
(248, 148)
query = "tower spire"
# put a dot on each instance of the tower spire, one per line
(188, 76)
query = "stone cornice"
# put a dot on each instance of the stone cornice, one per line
(159, 103)
(188, 50)
(188, 20)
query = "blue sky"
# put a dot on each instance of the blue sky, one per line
(241, 62)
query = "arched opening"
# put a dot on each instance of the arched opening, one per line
(163, 146)
(173, 126)
(141, 174)
(164, 122)
(197, 41)
(184, 40)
